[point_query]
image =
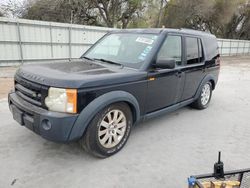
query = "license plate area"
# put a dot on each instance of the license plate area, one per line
(17, 114)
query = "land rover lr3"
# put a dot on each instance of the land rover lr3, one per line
(127, 76)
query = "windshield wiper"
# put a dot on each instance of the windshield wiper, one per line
(108, 61)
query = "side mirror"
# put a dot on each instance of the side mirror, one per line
(165, 64)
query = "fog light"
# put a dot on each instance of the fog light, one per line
(46, 125)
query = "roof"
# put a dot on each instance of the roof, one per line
(169, 30)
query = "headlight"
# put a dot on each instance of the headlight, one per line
(62, 100)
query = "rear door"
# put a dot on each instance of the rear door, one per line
(194, 66)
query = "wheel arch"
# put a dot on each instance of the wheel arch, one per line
(208, 78)
(133, 110)
(88, 113)
(213, 83)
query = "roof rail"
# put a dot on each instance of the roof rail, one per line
(195, 31)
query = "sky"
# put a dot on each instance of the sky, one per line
(11, 4)
(5, 1)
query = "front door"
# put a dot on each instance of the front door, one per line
(165, 85)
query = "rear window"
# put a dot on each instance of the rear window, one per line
(211, 47)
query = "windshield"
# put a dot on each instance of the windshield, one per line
(128, 49)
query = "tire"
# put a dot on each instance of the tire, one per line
(204, 98)
(106, 135)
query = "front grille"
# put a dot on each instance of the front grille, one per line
(31, 92)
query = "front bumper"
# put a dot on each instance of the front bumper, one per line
(52, 126)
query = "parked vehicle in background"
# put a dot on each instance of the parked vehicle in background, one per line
(126, 77)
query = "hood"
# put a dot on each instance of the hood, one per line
(78, 74)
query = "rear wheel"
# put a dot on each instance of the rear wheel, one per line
(108, 131)
(204, 98)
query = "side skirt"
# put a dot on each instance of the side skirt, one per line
(167, 109)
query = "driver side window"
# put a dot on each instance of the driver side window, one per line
(171, 49)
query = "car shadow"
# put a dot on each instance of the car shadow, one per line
(47, 150)
(156, 121)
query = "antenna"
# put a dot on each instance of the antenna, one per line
(219, 168)
(219, 157)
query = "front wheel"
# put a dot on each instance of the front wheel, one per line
(108, 131)
(204, 98)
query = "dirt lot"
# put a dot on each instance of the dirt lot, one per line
(5, 85)
(161, 152)
(6, 80)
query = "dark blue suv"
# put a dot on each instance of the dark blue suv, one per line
(125, 77)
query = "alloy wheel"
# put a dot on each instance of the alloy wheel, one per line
(112, 128)
(205, 94)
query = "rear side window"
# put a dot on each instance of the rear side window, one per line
(201, 54)
(194, 50)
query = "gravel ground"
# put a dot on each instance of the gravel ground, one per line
(161, 152)
(6, 84)
(6, 80)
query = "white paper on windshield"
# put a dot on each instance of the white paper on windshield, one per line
(144, 40)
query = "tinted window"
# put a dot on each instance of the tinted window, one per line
(201, 54)
(171, 49)
(192, 50)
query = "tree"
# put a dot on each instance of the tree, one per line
(220, 20)
(220, 17)
(151, 16)
(119, 13)
(111, 13)
(69, 11)
(77, 11)
(224, 18)
(244, 28)
(13, 8)
(163, 3)
(189, 14)
(1, 11)
(239, 26)
(41, 10)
